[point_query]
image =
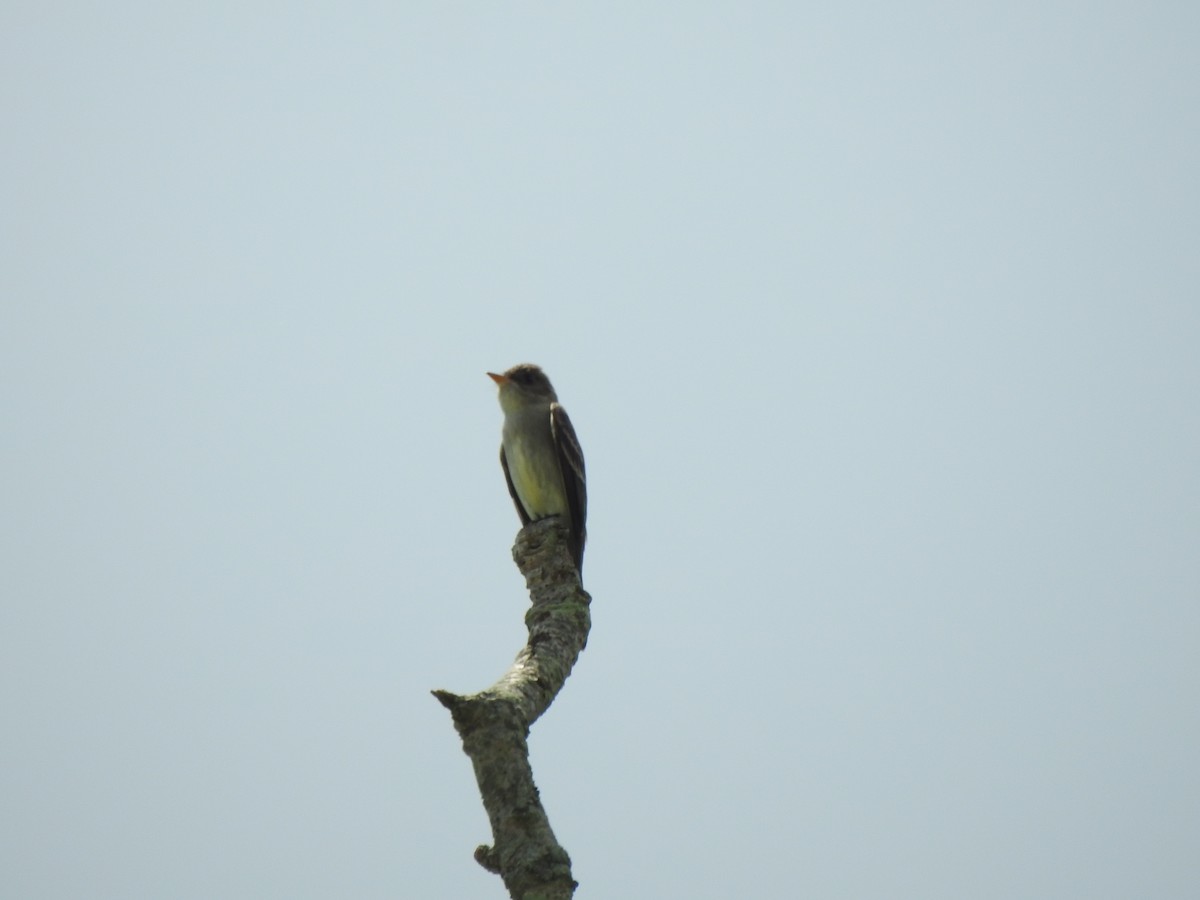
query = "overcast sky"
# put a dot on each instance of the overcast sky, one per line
(880, 328)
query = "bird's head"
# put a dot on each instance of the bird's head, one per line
(522, 386)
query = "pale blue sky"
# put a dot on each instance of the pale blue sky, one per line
(879, 325)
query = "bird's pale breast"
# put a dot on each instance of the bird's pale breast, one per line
(534, 469)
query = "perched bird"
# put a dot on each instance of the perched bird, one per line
(540, 454)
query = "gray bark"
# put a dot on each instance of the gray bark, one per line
(494, 723)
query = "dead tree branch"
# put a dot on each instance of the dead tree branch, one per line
(494, 723)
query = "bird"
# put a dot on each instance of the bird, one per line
(540, 454)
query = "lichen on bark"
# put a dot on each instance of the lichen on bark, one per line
(494, 723)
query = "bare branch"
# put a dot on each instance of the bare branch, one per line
(494, 723)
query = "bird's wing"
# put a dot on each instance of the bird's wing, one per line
(570, 461)
(512, 490)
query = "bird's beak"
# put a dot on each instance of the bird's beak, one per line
(499, 379)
